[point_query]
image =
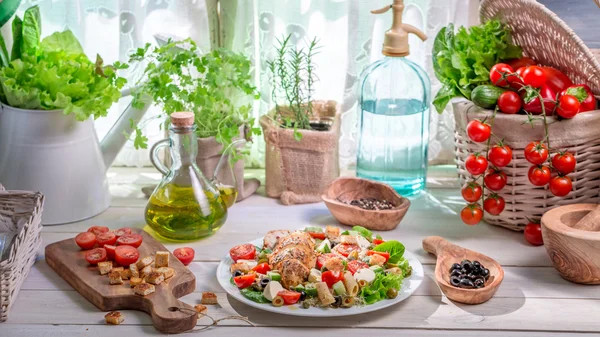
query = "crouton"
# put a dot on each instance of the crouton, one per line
(348, 239)
(142, 263)
(134, 270)
(209, 298)
(242, 266)
(119, 269)
(126, 274)
(334, 264)
(167, 272)
(143, 289)
(105, 267)
(114, 318)
(332, 233)
(162, 259)
(144, 272)
(201, 309)
(134, 281)
(155, 278)
(114, 278)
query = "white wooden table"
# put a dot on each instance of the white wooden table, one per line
(532, 301)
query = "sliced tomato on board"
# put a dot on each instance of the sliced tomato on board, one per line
(244, 281)
(126, 255)
(122, 231)
(110, 251)
(85, 240)
(289, 297)
(345, 249)
(262, 268)
(319, 236)
(95, 255)
(98, 229)
(332, 277)
(246, 251)
(134, 240)
(108, 238)
(185, 255)
(386, 255)
(356, 265)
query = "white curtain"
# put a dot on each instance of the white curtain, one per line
(350, 38)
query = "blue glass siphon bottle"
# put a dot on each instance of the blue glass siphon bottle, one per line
(394, 102)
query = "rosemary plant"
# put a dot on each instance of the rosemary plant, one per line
(293, 77)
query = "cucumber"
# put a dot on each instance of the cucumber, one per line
(313, 229)
(274, 276)
(324, 247)
(299, 288)
(486, 95)
(310, 290)
(339, 288)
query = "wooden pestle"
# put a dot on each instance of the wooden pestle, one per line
(590, 222)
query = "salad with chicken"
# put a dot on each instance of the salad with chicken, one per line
(320, 267)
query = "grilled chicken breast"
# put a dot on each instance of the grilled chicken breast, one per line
(293, 273)
(293, 256)
(296, 238)
(272, 238)
(298, 252)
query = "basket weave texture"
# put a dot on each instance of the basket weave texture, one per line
(548, 40)
(23, 210)
(297, 172)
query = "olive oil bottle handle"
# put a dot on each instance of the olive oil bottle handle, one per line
(154, 155)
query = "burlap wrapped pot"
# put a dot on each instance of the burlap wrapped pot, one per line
(525, 202)
(297, 172)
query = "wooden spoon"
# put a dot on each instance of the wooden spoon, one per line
(447, 254)
(590, 222)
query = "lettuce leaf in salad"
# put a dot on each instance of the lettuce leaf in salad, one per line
(363, 232)
(377, 290)
(394, 248)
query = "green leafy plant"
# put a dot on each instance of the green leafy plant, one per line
(293, 77)
(212, 85)
(462, 60)
(55, 73)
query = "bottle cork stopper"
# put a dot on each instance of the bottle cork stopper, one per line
(182, 119)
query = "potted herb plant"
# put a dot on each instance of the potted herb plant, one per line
(216, 86)
(301, 134)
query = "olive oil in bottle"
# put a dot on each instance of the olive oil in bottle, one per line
(185, 205)
(228, 194)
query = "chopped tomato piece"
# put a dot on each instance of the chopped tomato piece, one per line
(110, 251)
(320, 236)
(332, 277)
(95, 255)
(126, 255)
(262, 268)
(108, 238)
(384, 254)
(98, 229)
(246, 251)
(85, 240)
(377, 241)
(134, 240)
(345, 249)
(244, 281)
(289, 297)
(185, 255)
(323, 258)
(356, 265)
(122, 231)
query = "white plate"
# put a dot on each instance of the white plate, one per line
(409, 285)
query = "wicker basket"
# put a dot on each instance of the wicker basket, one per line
(19, 209)
(548, 40)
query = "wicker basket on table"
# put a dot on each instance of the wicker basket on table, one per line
(548, 40)
(20, 211)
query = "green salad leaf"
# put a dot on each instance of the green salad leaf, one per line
(32, 30)
(394, 248)
(64, 41)
(17, 32)
(254, 295)
(462, 60)
(377, 290)
(363, 232)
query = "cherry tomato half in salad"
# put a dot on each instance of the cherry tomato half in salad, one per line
(289, 297)
(323, 258)
(345, 249)
(244, 281)
(98, 229)
(316, 235)
(356, 265)
(126, 255)
(134, 240)
(85, 240)
(377, 241)
(95, 255)
(246, 251)
(386, 255)
(186, 255)
(332, 277)
(262, 268)
(110, 251)
(122, 231)
(108, 238)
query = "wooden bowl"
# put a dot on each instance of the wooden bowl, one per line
(447, 254)
(574, 253)
(346, 189)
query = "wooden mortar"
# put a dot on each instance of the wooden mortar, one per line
(575, 252)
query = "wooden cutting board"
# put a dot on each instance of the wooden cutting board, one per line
(68, 260)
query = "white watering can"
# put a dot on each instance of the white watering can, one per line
(46, 151)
